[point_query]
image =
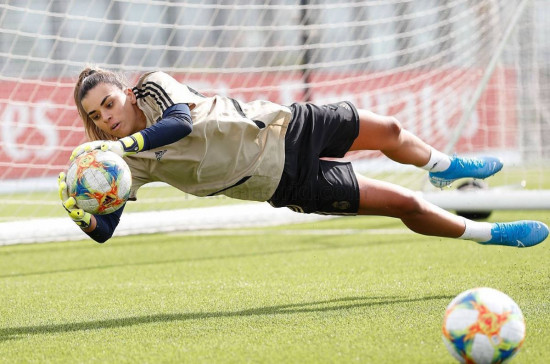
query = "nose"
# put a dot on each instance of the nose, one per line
(107, 117)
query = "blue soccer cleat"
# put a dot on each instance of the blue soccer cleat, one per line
(481, 168)
(522, 234)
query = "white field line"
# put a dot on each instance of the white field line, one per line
(332, 232)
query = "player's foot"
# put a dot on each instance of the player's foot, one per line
(481, 168)
(519, 233)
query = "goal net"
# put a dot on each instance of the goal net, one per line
(469, 77)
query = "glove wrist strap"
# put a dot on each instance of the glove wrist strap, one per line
(133, 143)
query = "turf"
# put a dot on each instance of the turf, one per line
(339, 291)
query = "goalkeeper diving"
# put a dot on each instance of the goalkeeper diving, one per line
(262, 151)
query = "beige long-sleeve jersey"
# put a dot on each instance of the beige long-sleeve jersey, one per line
(236, 149)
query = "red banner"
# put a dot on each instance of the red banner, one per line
(40, 126)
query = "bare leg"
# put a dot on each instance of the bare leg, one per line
(386, 199)
(384, 133)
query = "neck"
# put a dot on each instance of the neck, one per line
(142, 119)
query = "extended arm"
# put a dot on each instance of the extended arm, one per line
(174, 125)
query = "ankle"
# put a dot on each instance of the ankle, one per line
(477, 231)
(438, 162)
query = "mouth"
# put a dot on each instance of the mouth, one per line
(115, 126)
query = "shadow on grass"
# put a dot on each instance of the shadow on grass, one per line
(321, 246)
(345, 303)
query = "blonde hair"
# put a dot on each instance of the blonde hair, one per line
(87, 80)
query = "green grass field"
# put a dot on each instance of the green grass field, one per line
(339, 291)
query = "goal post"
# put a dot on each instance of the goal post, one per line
(469, 108)
(469, 77)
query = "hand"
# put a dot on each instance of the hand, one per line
(79, 216)
(123, 147)
(86, 147)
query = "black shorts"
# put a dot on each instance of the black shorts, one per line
(310, 184)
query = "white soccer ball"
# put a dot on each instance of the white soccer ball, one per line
(482, 326)
(99, 181)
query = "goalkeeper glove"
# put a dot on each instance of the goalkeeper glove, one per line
(128, 145)
(79, 216)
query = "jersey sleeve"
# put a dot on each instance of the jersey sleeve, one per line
(105, 226)
(175, 124)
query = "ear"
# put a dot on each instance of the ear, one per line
(130, 94)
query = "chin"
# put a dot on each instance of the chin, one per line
(121, 133)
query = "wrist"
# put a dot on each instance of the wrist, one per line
(92, 225)
(82, 218)
(133, 143)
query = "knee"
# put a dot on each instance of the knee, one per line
(411, 204)
(392, 134)
(394, 127)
